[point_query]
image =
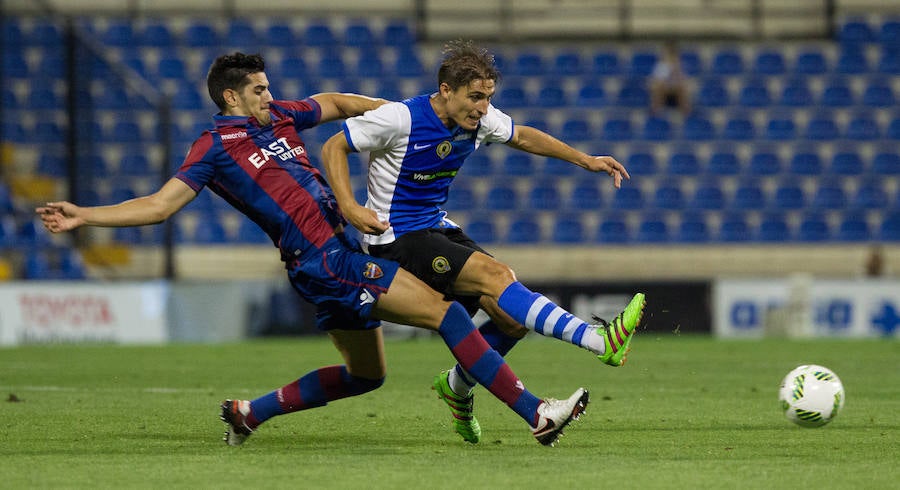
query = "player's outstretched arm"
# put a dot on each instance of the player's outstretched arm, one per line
(341, 106)
(334, 159)
(154, 208)
(535, 141)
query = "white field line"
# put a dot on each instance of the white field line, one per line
(71, 389)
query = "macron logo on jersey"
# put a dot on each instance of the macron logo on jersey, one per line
(233, 136)
(279, 148)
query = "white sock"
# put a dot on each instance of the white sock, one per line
(460, 382)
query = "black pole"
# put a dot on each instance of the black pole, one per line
(165, 123)
(72, 147)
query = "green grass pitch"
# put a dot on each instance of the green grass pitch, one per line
(685, 412)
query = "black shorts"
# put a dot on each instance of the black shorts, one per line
(436, 256)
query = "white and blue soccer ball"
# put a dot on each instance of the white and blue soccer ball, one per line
(811, 395)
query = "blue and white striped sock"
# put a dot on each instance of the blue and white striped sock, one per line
(536, 312)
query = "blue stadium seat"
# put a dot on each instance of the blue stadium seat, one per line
(893, 129)
(250, 233)
(657, 128)
(829, 195)
(813, 228)
(889, 230)
(209, 230)
(863, 127)
(764, 161)
(119, 34)
(628, 197)
(358, 34)
(538, 122)
(280, 34)
(241, 33)
(37, 266)
(879, 94)
(693, 228)
(478, 164)
(129, 235)
(698, 127)
(7, 206)
(668, 196)
(32, 234)
(14, 131)
(889, 61)
(846, 161)
(781, 127)
(481, 231)
(171, 68)
(10, 99)
(789, 196)
(739, 127)
(641, 163)
(591, 94)
(544, 196)
(524, 230)
(769, 62)
(754, 93)
(886, 162)
(369, 65)
(837, 93)
(12, 35)
(519, 164)
(51, 164)
(318, 33)
(606, 63)
(126, 132)
(586, 196)
(774, 228)
(822, 127)
(633, 93)
(46, 33)
(852, 61)
(796, 93)
(855, 31)
(568, 229)
(502, 197)
(512, 95)
(613, 229)
(555, 167)
(708, 195)
(576, 129)
(135, 164)
(528, 64)
(727, 62)
(617, 129)
(642, 63)
(889, 33)
(551, 94)
(723, 162)
(45, 98)
(691, 62)
(734, 228)
(200, 34)
(568, 63)
(652, 230)
(408, 64)
(805, 161)
(46, 132)
(462, 197)
(854, 228)
(684, 162)
(71, 265)
(157, 34)
(331, 65)
(713, 93)
(811, 62)
(14, 65)
(870, 195)
(52, 65)
(398, 34)
(749, 195)
(293, 68)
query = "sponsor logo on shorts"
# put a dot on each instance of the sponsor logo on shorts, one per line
(365, 297)
(373, 271)
(440, 264)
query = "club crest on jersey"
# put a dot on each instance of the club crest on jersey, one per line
(444, 149)
(373, 271)
(440, 264)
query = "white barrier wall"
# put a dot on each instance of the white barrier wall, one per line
(40, 312)
(804, 307)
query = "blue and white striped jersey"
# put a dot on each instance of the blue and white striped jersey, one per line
(413, 159)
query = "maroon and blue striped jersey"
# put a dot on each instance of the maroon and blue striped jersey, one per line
(265, 173)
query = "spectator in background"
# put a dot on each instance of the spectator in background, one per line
(668, 84)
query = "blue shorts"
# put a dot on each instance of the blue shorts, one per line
(344, 283)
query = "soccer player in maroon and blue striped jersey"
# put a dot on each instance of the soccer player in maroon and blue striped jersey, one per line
(255, 159)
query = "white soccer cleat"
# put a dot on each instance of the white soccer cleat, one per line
(234, 414)
(555, 415)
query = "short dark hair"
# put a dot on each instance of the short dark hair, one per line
(464, 62)
(230, 72)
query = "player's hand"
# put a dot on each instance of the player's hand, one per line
(366, 220)
(60, 216)
(611, 166)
